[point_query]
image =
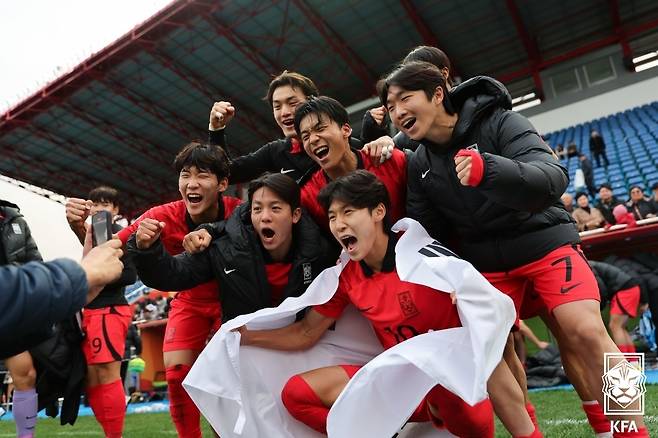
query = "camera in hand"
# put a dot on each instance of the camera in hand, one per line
(101, 227)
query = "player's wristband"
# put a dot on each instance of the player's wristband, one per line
(477, 166)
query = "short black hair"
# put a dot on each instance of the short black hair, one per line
(360, 189)
(293, 79)
(205, 157)
(579, 194)
(284, 186)
(654, 186)
(430, 54)
(605, 186)
(416, 75)
(105, 194)
(321, 105)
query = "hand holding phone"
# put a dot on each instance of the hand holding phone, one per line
(101, 225)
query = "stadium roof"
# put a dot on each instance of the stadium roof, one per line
(119, 117)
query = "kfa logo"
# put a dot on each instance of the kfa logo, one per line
(623, 388)
(435, 249)
(307, 272)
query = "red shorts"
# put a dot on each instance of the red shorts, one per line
(191, 323)
(625, 302)
(561, 276)
(105, 333)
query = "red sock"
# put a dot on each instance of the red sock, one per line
(535, 434)
(598, 421)
(532, 413)
(304, 404)
(460, 418)
(109, 405)
(641, 433)
(630, 348)
(622, 348)
(184, 413)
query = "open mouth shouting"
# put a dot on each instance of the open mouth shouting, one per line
(288, 123)
(349, 243)
(194, 198)
(409, 123)
(321, 152)
(267, 235)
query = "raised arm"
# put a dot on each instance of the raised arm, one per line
(298, 336)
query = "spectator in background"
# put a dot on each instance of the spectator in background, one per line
(572, 150)
(623, 293)
(597, 148)
(639, 205)
(654, 198)
(607, 202)
(560, 152)
(567, 200)
(623, 216)
(16, 248)
(588, 173)
(587, 218)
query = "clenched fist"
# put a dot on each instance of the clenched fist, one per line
(378, 114)
(148, 232)
(196, 241)
(221, 114)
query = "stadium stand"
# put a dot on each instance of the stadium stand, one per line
(631, 139)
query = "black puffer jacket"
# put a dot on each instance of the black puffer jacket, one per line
(611, 280)
(17, 243)
(515, 215)
(235, 258)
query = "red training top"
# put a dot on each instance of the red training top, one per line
(393, 173)
(398, 310)
(277, 278)
(178, 224)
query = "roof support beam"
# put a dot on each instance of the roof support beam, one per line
(338, 45)
(429, 38)
(145, 104)
(121, 135)
(579, 51)
(619, 31)
(112, 165)
(530, 46)
(252, 121)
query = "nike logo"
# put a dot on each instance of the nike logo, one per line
(424, 174)
(228, 271)
(365, 309)
(284, 171)
(564, 290)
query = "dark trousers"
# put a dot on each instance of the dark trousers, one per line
(597, 157)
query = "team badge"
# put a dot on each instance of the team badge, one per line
(307, 272)
(407, 304)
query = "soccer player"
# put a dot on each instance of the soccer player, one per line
(323, 125)
(373, 126)
(194, 315)
(484, 177)
(284, 94)
(268, 238)
(357, 206)
(105, 321)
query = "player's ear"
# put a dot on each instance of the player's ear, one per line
(379, 212)
(296, 215)
(223, 185)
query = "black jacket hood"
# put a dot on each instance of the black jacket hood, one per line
(476, 98)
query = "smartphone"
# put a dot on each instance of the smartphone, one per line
(101, 227)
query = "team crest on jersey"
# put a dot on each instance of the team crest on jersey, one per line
(308, 274)
(407, 304)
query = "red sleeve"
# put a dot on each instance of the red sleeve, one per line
(335, 306)
(230, 204)
(154, 213)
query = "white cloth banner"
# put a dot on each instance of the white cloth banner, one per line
(238, 388)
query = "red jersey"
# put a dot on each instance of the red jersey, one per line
(277, 278)
(398, 310)
(178, 224)
(393, 173)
